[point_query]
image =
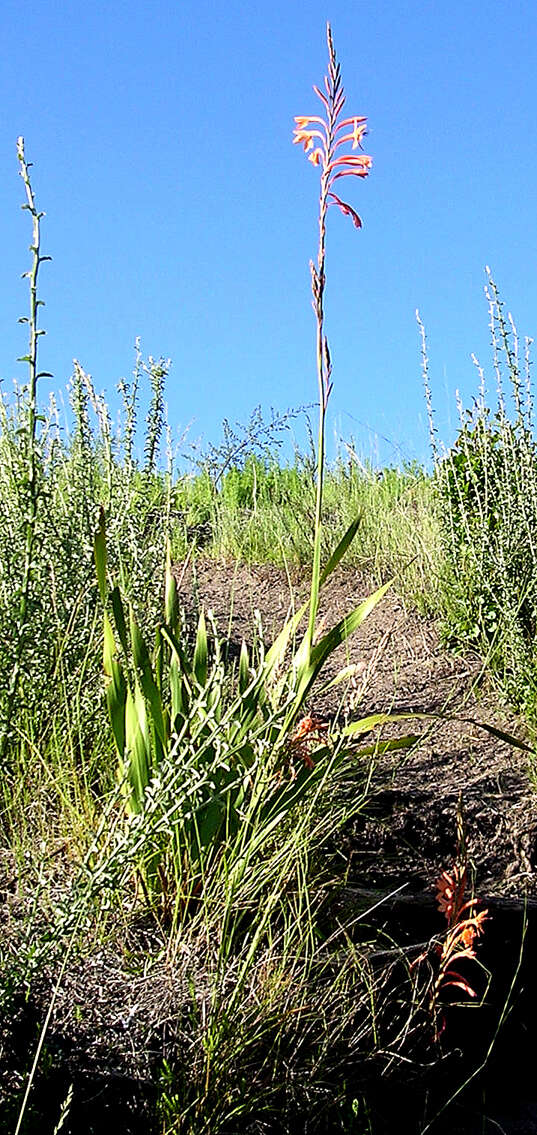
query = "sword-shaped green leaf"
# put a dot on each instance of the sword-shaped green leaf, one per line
(149, 687)
(309, 668)
(116, 687)
(244, 668)
(119, 619)
(170, 593)
(339, 551)
(99, 553)
(181, 677)
(201, 652)
(366, 724)
(275, 655)
(137, 747)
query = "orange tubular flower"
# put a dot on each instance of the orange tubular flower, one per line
(355, 137)
(302, 121)
(305, 137)
(359, 164)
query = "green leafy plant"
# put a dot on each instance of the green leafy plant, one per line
(246, 758)
(30, 476)
(55, 472)
(487, 493)
(322, 137)
(223, 729)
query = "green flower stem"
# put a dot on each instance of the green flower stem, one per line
(32, 485)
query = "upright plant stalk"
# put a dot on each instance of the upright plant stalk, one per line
(155, 421)
(130, 404)
(31, 438)
(322, 136)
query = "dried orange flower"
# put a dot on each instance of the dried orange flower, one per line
(460, 940)
(308, 729)
(450, 892)
(458, 944)
(465, 926)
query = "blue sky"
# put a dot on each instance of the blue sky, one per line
(178, 209)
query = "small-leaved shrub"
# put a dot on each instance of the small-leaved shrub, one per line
(487, 490)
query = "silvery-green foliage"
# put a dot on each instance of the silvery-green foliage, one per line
(78, 471)
(487, 486)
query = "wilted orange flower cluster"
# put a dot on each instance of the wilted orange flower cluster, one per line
(450, 893)
(308, 730)
(460, 943)
(464, 927)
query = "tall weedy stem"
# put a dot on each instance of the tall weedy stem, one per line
(31, 486)
(321, 135)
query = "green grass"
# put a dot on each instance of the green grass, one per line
(263, 512)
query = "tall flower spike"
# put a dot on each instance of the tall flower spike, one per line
(323, 136)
